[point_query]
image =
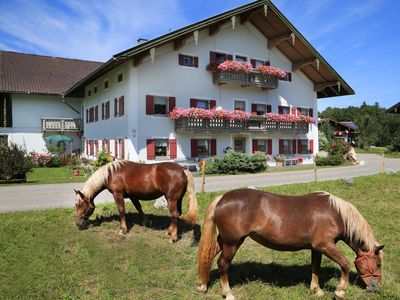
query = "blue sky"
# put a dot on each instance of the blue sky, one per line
(360, 39)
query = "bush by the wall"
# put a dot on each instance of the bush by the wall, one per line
(235, 162)
(335, 160)
(14, 163)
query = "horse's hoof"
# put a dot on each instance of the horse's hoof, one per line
(339, 295)
(122, 232)
(229, 297)
(202, 288)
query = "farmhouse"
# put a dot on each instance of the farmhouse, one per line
(345, 130)
(395, 109)
(170, 99)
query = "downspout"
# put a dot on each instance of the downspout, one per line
(69, 105)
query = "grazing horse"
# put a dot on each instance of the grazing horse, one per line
(126, 179)
(315, 221)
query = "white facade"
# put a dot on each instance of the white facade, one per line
(165, 77)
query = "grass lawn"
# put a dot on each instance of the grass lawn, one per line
(44, 256)
(377, 150)
(53, 175)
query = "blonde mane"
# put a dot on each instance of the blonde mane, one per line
(357, 230)
(100, 178)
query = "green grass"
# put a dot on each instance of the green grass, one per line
(377, 150)
(53, 175)
(44, 256)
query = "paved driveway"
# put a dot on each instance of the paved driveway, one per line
(31, 197)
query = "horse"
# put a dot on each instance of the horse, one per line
(315, 221)
(127, 179)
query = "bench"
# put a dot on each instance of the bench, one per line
(290, 162)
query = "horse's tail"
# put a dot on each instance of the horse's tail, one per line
(191, 215)
(208, 247)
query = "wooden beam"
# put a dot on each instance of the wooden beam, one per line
(137, 60)
(334, 91)
(322, 85)
(244, 17)
(278, 39)
(180, 42)
(214, 28)
(301, 63)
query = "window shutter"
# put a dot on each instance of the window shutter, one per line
(269, 142)
(108, 146)
(213, 104)
(87, 116)
(311, 146)
(115, 107)
(87, 147)
(267, 63)
(171, 104)
(213, 56)
(254, 109)
(280, 109)
(281, 148)
(213, 147)
(116, 148)
(294, 144)
(122, 148)
(299, 147)
(180, 59)
(8, 117)
(269, 108)
(255, 146)
(298, 111)
(151, 149)
(172, 148)
(253, 62)
(193, 103)
(193, 147)
(149, 105)
(96, 113)
(102, 110)
(91, 148)
(288, 76)
(121, 105)
(108, 110)
(229, 57)
(293, 111)
(96, 147)
(195, 62)
(311, 112)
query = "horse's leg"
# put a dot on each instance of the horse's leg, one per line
(119, 199)
(333, 253)
(138, 206)
(173, 211)
(224, 261)
(315, 267)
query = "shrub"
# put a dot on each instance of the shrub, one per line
(103, 158)
(235, 162)
(329, 161)
(338, 147)
(14, 163)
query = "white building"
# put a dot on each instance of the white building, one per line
(137, 88)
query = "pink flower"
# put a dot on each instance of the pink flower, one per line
(200, 113)
(272, 71)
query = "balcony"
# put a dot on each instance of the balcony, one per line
(254, 124)
(252, 79)
(61, 124)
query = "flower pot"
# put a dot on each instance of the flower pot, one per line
(75, 172)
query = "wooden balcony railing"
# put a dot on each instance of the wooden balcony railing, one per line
(254, 124)
(252, 79)
(61, 124)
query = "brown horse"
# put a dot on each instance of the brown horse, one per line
(126, 179)
(315, 221)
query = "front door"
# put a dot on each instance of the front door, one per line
(239, 145)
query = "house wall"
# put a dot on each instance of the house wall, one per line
(27, 114)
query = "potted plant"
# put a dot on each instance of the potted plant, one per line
(279, 159)
(300, 160)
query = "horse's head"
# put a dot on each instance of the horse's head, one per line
(368, 265)
(84, 209)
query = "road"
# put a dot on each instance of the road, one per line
(44, 196)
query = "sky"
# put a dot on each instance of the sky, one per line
(359, 39)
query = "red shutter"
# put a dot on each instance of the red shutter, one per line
(115, 107)
(253, 62)
(96, 113)
(213, 56)
(193, 147)
(193, 103)
(293, 111)
(311, 146)
(269, 142)
(267, 63)
(299, 147)
(213, 104)
(311, 112)
(87, 147)
(269, 108)
(96, 144)
(121, 105)
(229, 57)
(255, 146)
(171, 104)
(213, 147)
(180, 59)
(195, 62)
(151, 149)
(294, 144)
(254, 109)
(116, 148)
(91, 148)
(108, 146)
(149, 105)
(172, 148)
(298, 111)
(281, 148)
(122, 148)
(108, 110)
(280, 109)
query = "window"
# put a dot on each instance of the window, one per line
(240, 58)
(240, 105)
(5, 110)
(203, 104)
(260, 109)
(305, 146)
(160, 105)
(258, 62)
(3, 139)
(161, 148)
(120, 77)
(219, 57)
(284, 110)
(106, 145)
(119, 106)
(287, 147)
(188, 61)
(203, 148)
(105, 110)
(305, 111)
(262, 145)
(239, 145)
(89, 93)
(106, 84)
(95, 90)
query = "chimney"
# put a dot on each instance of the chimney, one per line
(141, 40)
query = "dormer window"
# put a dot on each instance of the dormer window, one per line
(188, 61)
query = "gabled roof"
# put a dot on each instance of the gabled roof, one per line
(35, 74)
(394, 109)
(349, 124)
(266, 17)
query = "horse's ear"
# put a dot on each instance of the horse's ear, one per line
(378, 248)
(76, 192)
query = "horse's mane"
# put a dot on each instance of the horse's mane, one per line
(357, 230)
(100, 177)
